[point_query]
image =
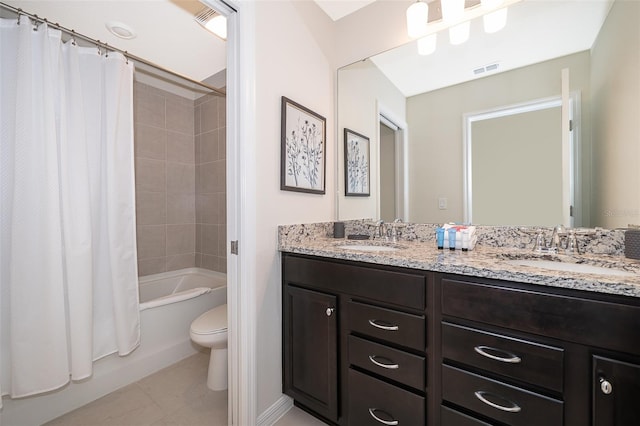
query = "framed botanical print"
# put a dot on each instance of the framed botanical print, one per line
(303, 156)
(356, 164)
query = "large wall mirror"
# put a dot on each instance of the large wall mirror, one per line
(415, 110)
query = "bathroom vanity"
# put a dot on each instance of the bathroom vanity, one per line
(444, 342)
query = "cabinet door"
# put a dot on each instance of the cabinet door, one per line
(616, 392)
(310, 360)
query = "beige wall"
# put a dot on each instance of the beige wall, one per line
(375, 28)
(363, 89)
(180, 181)
(616, 112)
(293, 41)
(435, 122)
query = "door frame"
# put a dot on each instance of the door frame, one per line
(387, 117)
(572, 195)
(241, 206)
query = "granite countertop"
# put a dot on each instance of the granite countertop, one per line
(482, 261)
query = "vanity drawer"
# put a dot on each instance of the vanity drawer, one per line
(387, 324)
(401, 287)
(530, 362)
(392, 363)
(450, 417)
(370, 398)
(573, 319)
(499, 401)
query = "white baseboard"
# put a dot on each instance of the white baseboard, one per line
(276, 411)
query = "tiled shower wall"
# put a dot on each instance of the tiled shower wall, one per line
(167, 128)
(211, 214)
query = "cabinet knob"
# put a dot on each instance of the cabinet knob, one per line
(605, 386)
(330, 311)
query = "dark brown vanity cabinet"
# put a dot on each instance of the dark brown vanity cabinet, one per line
(616, 392)
(517, 354)
(355, 341)
(310, 346)
(367, 344)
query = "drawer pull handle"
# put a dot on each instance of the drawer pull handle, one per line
(372, 358)
(384, 422)
(382, 326)
(515, 408)
(511, 358)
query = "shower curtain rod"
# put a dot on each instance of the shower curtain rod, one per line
(107, 48)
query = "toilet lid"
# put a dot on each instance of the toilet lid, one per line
(211, 322)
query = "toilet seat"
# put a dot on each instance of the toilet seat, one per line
(214, 321)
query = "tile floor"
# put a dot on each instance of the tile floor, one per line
(175, 396)
(297, 417)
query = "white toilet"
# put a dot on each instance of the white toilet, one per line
(210, 330)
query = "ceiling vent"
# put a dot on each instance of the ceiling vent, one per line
(486, 68)
(212, 21)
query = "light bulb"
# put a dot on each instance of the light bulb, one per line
(427, 45)
(452, 10)
(491, 4)
(458, 34)
(495, 21)
(417, 17)
(218, 26)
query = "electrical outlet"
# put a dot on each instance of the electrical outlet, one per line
(442, 203)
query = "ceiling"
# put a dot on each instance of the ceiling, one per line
(536, 31)
(167, 34)
(337, 9)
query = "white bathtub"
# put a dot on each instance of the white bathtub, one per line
(169, 302)
(177, 286)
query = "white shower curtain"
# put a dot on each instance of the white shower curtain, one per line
(69, 291)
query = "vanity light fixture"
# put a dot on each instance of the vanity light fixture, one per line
(452, 13)
(456, 18)
(417, 17)
(496, 19)
(213, 21)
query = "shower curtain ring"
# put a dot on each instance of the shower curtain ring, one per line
(73, 38)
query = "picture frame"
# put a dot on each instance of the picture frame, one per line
(303, 149)
(357, 173)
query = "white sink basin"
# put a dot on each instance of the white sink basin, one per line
(580, 268)
(367, 247)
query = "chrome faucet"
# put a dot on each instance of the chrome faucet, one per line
(379, 230)
(540, 244)
(572, 243)
(556, 238)
(561, 239)
(395, 232)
